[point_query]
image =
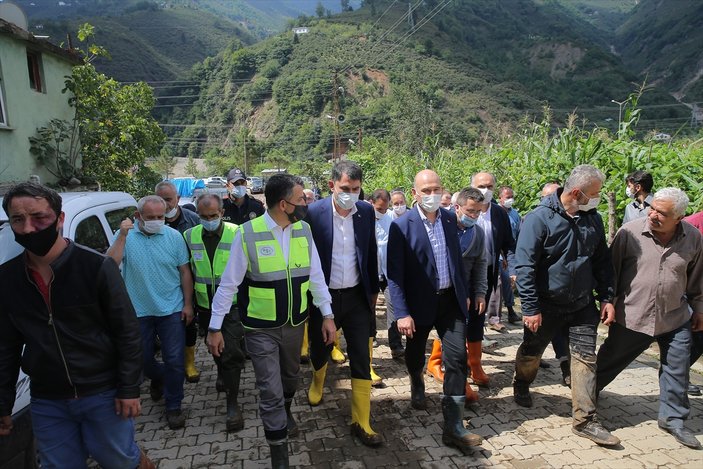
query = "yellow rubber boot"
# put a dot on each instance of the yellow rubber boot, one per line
(192, 373)
(318, 382)
(304, 348)
(361, 413)
(375, 379)
(337, 355)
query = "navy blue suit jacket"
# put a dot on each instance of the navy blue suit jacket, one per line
(412, 272)
(503, 243)
(319, 218)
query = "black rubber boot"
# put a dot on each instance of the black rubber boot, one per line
(220, 382)
(418, 400)
(565, 373)
(454, 433)
(279, 454)
(235, 420)
(292, 425)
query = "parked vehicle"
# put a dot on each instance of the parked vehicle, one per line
(256, 186)
(90, 219)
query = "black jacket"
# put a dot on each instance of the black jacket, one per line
(250, 209)
(85, 342)
(560, 260)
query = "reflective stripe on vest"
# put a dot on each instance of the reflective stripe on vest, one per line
(274, 291)
(206, 274)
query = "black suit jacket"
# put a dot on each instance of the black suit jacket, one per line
(503, 243)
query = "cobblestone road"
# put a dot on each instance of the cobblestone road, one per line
(515, 437)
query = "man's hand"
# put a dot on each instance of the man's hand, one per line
(513, 280)
(5, 425)
(406, 326)
(329, 331)
(125, 226)
(215, 343)
(607, 313)
(480, 304)
(533, 322)
(187, 313)
(127, 408)
(697, 322)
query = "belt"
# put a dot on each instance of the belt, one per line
(445, 291)
(341, 291)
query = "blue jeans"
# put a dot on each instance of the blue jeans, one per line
(171, 331)
(68, 430)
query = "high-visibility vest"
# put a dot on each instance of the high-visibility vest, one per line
(274, 291)
(207, 272)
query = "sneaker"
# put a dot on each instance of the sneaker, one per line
(595, 432)
(488, 344)
(156, 390)
(694, 390)
(175, 419)
(498, 327)
(522, 396)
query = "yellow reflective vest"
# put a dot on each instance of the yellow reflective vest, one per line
(207, 272)
(274, 291)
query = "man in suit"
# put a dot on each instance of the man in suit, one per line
(428, 289)
(499, 241)
(343, 228)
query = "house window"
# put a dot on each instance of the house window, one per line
(3, 117)
(35, 71)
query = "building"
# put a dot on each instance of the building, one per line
(32, 75)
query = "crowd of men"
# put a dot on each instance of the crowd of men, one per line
(275, 283)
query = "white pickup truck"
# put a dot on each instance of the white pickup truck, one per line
(91, 218)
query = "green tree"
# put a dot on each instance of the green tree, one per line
(192, 168)
(320, 10)
(164, 163)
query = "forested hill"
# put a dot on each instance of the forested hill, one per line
(451, 74)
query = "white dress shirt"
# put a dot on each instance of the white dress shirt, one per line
(484, 221)
(383, 226)
(237, 266)
(344, 271)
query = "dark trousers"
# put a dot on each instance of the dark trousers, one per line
(624, 345)
(507, 288)
(696, 346)
(450, 325)
(580, 327)
(352, 314)
(232, 357)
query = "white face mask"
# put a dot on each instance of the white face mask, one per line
(508, 203)
(379, 215)
(487, 194)
(592, 203)
(431, 203)
(239, 191)
(171, 213)
(346, 200)
(152, 226)
(629, 193)
(400, 209)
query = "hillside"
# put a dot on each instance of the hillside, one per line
(663, 40)
(477, 68)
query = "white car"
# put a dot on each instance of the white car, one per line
(91, 218)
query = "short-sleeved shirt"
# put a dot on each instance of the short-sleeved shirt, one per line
(150, 271)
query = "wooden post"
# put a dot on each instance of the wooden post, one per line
(612, 218)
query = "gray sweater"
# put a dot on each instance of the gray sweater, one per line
(475, 263)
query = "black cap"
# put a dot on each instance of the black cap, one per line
(235, 175)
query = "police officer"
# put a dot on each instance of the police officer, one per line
(275, 265)
(239, 206)
(209, 244)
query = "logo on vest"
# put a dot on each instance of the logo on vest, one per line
(252, 215)
(267, 251)
(198, 256)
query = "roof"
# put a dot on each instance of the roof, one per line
(12, 30)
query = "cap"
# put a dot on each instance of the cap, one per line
(235, 175)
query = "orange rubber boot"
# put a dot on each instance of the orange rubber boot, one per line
(434, 364)
(473, 350)
(471, 395)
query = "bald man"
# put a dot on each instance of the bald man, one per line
(428, 290)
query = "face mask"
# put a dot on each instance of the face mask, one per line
(298, 213)
(592, 203)
(629, 193)
(379, 215)
(210, 225)
(152, 226)
(400, 209)
(487, 195)
(171, 213)
(239, 191)
(40, 242)
(508, 203)
(346, 200)
(430, 203)
(467, 221)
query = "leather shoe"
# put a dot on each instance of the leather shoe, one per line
(683, 436)
(514, 318)
(595, 432)
(694, 390)
(366, 438)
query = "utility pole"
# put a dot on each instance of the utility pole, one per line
(335, 102)
(411, 20)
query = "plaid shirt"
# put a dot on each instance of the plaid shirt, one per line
(439, 248)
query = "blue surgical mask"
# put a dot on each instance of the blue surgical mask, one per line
(467, 221)
(210, 225)
(239, 191)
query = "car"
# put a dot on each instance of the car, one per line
(215, 181)
(90, 219)
(256, 186)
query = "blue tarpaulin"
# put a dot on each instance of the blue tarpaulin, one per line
(186, 186)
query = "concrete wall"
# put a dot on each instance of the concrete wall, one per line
(27, 109)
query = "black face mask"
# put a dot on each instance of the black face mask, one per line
(298, 213)
(40, 242)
